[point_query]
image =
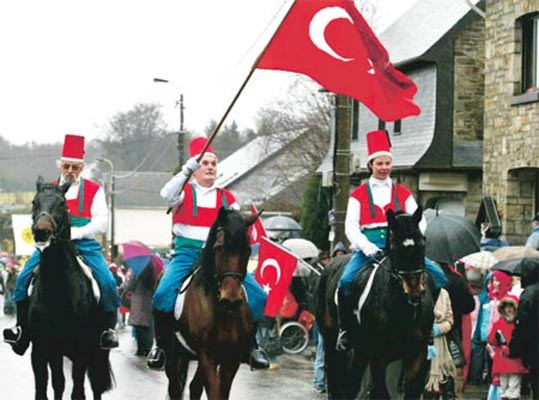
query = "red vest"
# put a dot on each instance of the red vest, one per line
(371, 213)
(81, 207)
(189, 213)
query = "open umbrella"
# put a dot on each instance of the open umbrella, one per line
(303, 249)
(508, 252)
(136, 256)
(482, 260)
(449, 236)
(282, 227)
(511, 266)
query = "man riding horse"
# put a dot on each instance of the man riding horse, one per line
(88, 211)
(195, 210)
(366, 225)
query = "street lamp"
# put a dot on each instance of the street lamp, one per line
(111, 202)
(179, 103)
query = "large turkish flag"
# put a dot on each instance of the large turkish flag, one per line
(274, 273)
(329, 41)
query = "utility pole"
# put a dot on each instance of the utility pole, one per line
(179, 104)
(111, 205)
(341, 167)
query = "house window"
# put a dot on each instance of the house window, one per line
(355, 119)
(381, 125)
(530, 53)
(397, 127)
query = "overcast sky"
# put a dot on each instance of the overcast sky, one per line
(69, 66)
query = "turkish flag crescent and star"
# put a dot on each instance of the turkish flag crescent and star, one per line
(256, 230)
(274, 273)
(329, 41)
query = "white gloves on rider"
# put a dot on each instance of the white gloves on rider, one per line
(370, 249)
(190, 166)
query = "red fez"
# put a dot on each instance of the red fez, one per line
(197, 145)
(73, 148)
(378, 144)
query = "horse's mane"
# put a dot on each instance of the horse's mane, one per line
(234, 228)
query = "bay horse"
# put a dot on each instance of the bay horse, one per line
(396, 316)
(215, 324)
(63, 315)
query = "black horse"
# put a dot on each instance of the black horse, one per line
(63, 316)
(396, 316)
(215, 322)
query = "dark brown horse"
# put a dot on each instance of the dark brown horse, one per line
(215, 324)
(396, 316)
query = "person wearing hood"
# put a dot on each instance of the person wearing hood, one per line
(525, 343)
(509, 370)
(339, 250)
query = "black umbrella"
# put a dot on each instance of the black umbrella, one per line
(449, 236)
(513, 266)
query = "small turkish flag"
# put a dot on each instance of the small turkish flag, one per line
(274, 273)
(256, 230)
(329, 41)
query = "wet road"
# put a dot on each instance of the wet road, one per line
(134, 381)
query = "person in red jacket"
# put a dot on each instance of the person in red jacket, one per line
(510, 370)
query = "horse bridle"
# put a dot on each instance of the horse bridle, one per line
(239, 276)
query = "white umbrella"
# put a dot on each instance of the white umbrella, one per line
(481, 259)
(303, 249)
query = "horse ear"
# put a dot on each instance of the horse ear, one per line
(250, 219)
(65, 187)
(391, 220)
(418, 214)
(39, 183)
(221, 216)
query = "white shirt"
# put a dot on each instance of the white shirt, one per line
(100, 213)
(206, 197)
(381, 197)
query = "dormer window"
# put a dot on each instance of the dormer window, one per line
(530, 53)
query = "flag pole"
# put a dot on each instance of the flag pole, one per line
(240, 90)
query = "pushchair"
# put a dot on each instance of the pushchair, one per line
(293, 326)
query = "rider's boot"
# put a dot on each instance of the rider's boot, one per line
(164, 331)
(346, 315)
(17, 336)
(255, 356)
(109, 338)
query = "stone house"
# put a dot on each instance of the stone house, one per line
(438, 154)
(511, 131)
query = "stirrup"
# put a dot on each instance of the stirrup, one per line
(108, 339)
(16, 333)
(156, 359)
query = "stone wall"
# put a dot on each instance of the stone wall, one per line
(469, 83)
(511, 133)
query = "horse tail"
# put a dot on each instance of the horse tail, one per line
(100, 372)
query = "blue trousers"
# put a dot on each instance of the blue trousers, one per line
(359, 260)
(181, 264)
(93, 257)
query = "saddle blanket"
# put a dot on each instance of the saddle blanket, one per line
(87, 271)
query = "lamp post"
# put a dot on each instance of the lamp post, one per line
(179, 103)
(111, 202)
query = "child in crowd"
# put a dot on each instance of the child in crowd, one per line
(507, 372)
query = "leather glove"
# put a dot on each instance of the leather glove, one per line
(370, 249)
(190, 166)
